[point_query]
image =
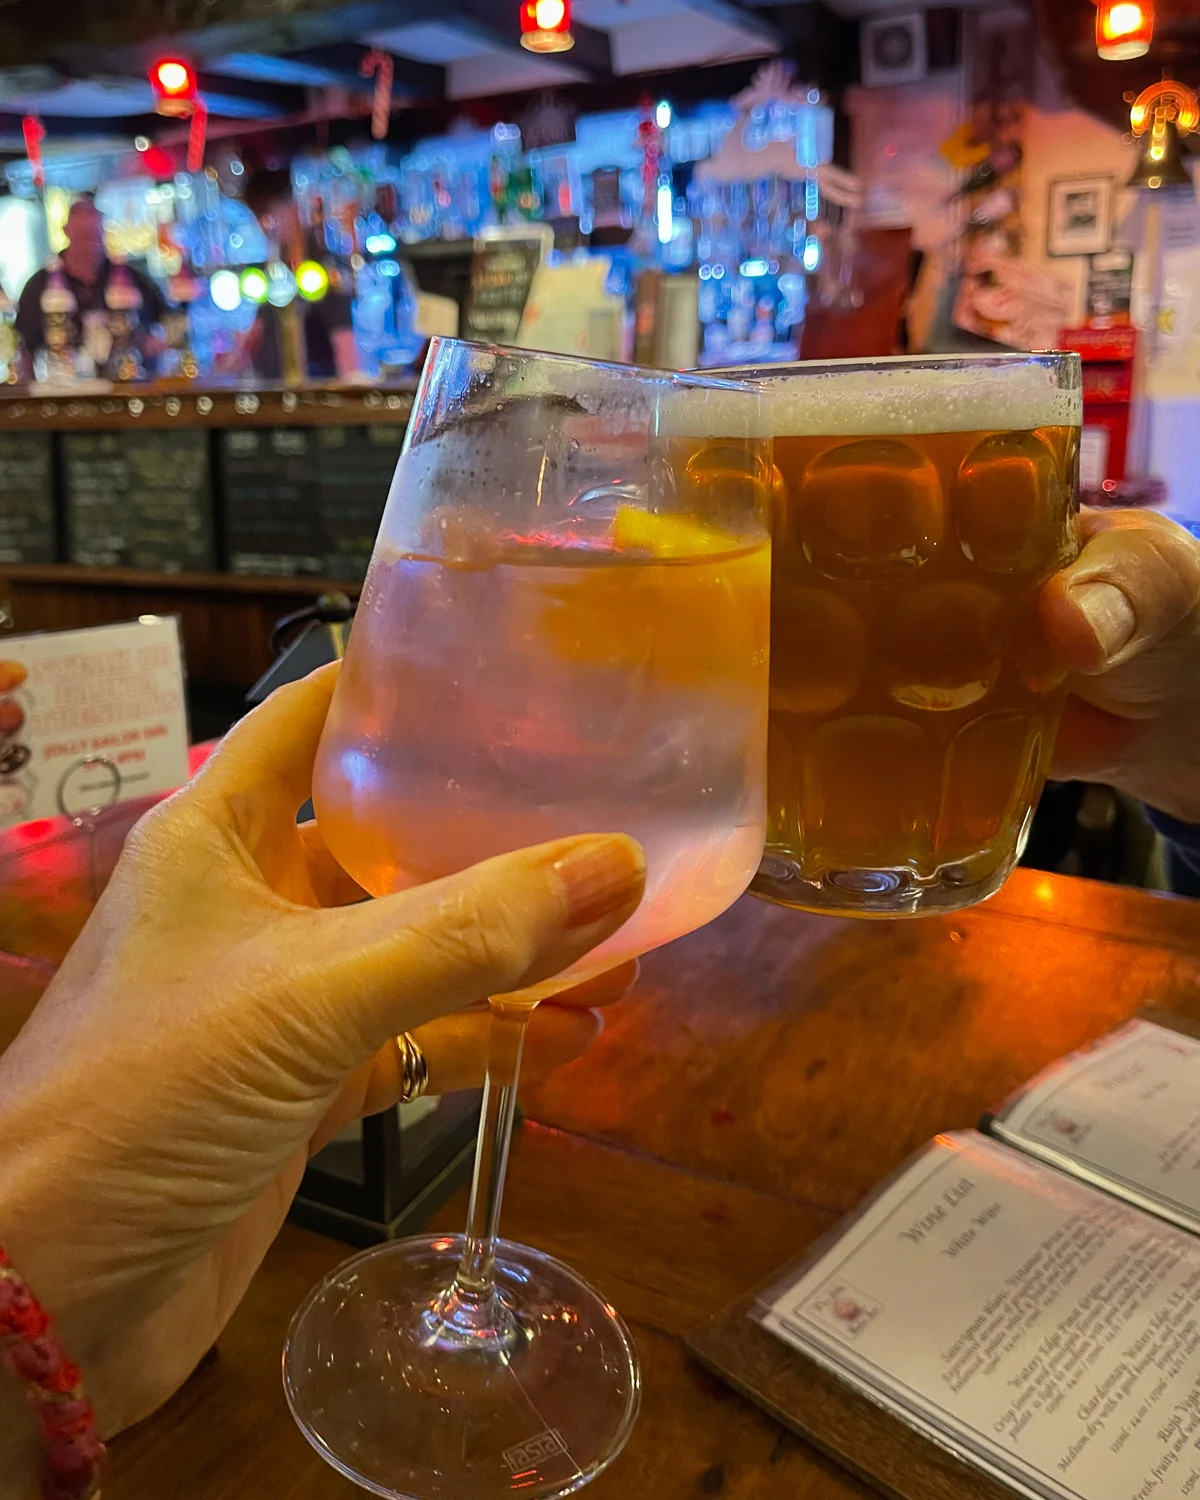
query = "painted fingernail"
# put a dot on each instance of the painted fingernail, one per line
(601, 876)
(1109, 613)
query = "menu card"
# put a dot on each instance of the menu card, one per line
(27, 510)
(1028, 1305)
(1125, 1115)
(502, 271)
(272, 494)
(356, 467)
(89, 718)
(139, 500)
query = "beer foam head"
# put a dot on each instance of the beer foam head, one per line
(696, 410)
(888, 398)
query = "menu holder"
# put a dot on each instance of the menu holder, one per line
(139, 500)
(27, 533)
(356, 465)
(272, 491)
(1008, 1316)
(844, 1424)
(502, 271)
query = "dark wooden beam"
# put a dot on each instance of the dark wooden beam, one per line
(280, 98)
(136, 31)
(63, 126)
(126, 39)
(823, 45)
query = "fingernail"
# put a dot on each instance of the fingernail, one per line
(601, 876)
(1109, 614)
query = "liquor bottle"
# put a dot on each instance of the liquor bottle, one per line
(315, 246)
(123, 301)
(59, 309)
(10, 340)
(183, 289)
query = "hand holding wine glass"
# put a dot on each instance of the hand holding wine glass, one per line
(226, 1010)
(563, 630)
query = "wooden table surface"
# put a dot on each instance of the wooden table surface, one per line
(761, 1078)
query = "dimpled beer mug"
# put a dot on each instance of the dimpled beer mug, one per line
(919, 507)
(564, 630)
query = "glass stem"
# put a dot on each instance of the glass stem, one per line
(471, 1297)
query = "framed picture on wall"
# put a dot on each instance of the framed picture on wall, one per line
(1079, 216)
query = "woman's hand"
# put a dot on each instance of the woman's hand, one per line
(1125, 617)
(223, 1014)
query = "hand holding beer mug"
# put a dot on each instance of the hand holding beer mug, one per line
(919, 507)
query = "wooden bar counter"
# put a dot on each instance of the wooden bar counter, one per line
(764, 1074)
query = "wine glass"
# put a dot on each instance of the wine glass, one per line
(563, 630)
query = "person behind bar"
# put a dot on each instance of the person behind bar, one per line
(87, 270)
(328, 324)
(225, 1012)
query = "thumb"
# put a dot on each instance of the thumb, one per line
(385, 966)
(1136, 579)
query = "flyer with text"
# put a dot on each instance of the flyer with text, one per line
(89, 718)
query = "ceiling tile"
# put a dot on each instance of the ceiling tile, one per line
(505, 72)
(431, 42)
(677, 41)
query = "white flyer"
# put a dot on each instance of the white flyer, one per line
(1124, 1114)
(89, 718)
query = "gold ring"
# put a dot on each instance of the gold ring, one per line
(414, 1068)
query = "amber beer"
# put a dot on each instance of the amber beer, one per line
(919, 508)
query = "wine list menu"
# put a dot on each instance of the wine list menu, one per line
(1029, 1299)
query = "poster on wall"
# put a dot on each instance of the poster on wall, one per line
(1079, 216)
(89, 718)
(1003, 298)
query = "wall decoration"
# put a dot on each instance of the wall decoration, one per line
(1110, 289)
(893, 50)
(1005, 299)
(1079, 216)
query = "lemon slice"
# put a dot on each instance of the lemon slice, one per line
(670, 536)
(687, 605)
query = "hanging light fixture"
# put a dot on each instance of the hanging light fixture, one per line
(1158, 117)
(173, 84)
(546, 25)
(1124, 28)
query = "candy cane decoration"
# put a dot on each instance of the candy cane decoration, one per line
(381, 64)
(34, 132)
(197, 136)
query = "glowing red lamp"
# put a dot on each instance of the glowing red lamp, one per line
(1124, 28)
(174, 86)
(546, 25)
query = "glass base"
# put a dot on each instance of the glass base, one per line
(877, 892)
(406, 1403)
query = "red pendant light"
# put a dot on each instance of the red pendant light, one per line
(546, 25)
(174, 84)
(1124, 28)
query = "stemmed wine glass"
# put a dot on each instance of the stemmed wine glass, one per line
(564, 630)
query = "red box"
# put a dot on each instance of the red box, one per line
(1107, 358)
(1091, 344)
